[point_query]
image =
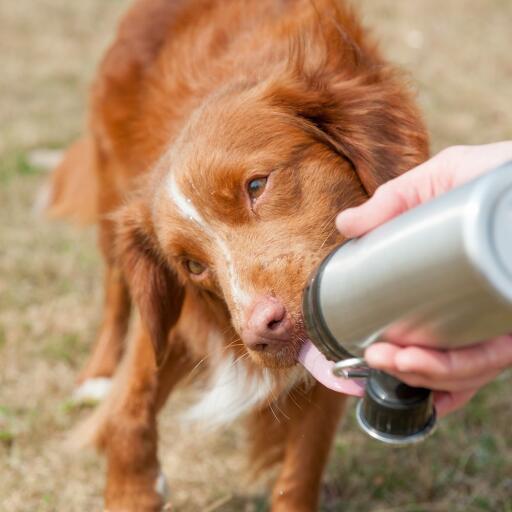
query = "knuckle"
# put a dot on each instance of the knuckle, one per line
(414, 381)
(450, 365)
(453, 152)
(446, 167)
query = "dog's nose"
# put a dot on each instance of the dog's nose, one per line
(268, 325)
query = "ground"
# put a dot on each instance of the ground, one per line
(458, 56)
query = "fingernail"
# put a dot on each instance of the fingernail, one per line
(343, 223)
(344, 215)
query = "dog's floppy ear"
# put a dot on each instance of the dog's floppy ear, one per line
(376, 126)
(154, 286)
(370, 119)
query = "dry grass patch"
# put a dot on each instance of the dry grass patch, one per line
(458, 54)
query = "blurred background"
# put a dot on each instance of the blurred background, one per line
(458, 54)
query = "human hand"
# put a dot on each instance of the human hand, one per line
(448, 169)
(454, 375)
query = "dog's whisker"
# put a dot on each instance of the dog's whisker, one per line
(327, 223)
(292, 398)
(276, 402)
(272, 411)
(239, 359)
(328, 236)
(197, 365)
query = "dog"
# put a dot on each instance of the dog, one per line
(223, 138)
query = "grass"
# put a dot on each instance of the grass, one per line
(458, 55)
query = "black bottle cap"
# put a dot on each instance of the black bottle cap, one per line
(394, 412)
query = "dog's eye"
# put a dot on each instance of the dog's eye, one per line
(194, 267)
(256, 187)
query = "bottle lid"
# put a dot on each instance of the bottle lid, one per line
(394, 412)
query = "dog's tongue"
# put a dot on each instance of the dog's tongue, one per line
(321, 369)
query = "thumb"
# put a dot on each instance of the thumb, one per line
(391, 199)
(385, 204)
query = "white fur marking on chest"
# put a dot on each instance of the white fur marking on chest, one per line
(232, 392)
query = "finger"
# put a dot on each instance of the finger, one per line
(463, 363)
(383, 206)
(478, 159)
(381, 356)
(451, 167)
(394, 197)
(455, 385)
(446, 403)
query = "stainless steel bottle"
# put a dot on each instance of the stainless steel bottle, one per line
(439, 275)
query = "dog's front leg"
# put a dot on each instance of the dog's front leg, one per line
(95, 378)
(129, 433)
(110, 343)
(310, 432)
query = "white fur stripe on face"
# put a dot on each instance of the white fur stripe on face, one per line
(240, 296)
(189, 211)
(184, 205)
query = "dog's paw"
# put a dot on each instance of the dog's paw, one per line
(162, 488)
(44, 158)
(138, 493)
(92, 391)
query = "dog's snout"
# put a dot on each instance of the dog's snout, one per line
(268, 325)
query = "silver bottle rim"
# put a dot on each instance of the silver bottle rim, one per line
(314, 320)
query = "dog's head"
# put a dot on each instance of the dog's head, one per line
(241, 208)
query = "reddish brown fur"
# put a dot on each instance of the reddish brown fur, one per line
(212, 94)
(75, 196)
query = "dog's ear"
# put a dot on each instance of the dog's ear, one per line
(371, 120)
(375, 125)
(153, 284)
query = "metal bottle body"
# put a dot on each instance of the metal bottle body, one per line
(439, 275)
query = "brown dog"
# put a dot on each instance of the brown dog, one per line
(226, 135)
